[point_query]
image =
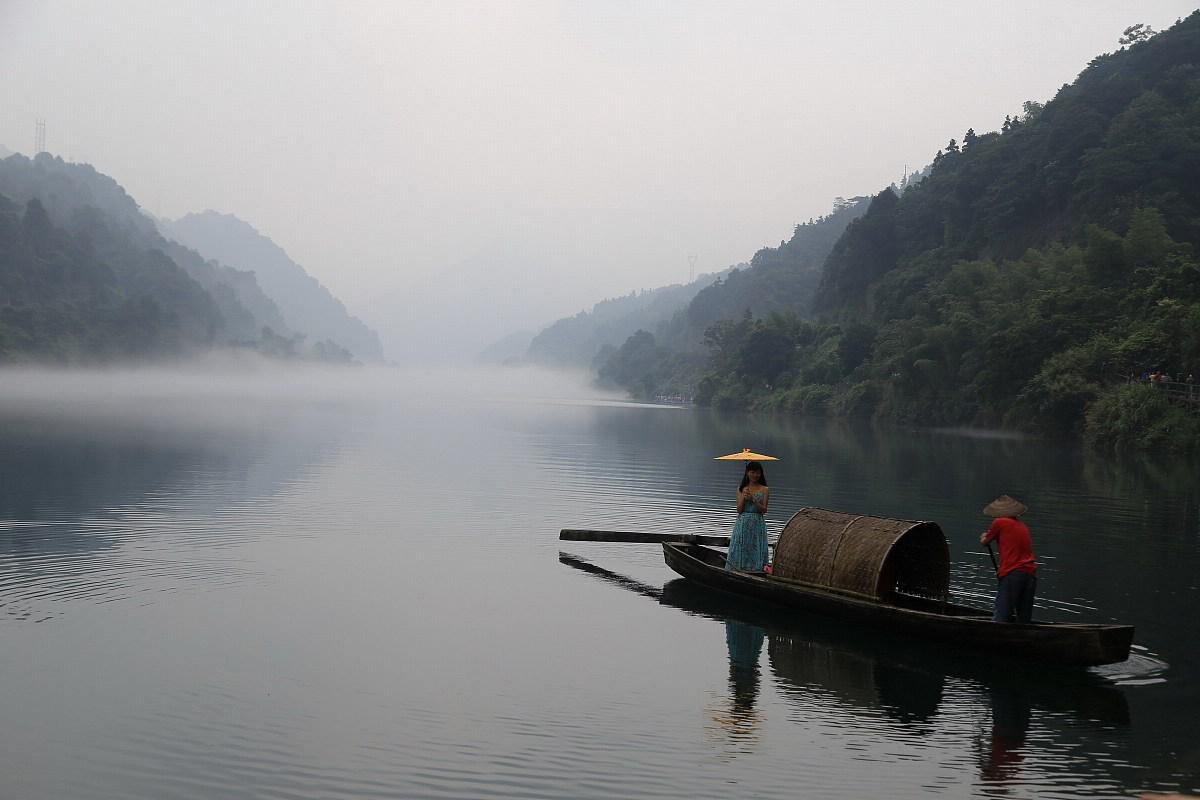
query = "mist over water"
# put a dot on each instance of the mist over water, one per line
(230, 376)
(346, 582)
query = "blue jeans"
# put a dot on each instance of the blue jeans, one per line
(1015, 596)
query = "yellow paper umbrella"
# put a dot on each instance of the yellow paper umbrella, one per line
(745, 455)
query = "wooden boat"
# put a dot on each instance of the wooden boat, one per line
(891, 574)
(866, 668)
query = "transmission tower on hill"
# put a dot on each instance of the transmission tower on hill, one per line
(39, 137)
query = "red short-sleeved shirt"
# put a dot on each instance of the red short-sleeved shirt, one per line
(1016, 548)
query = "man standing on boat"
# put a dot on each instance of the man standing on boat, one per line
(1017, 570)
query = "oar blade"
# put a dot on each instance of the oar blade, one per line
(638, 537)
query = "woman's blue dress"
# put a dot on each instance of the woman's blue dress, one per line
(748, 543)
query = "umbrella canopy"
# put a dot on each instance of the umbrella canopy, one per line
(745, 455)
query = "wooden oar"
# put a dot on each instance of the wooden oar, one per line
(578, 535)
(995, 566)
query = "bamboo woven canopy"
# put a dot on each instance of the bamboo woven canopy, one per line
(873, 557)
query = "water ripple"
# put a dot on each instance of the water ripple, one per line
(341, 605)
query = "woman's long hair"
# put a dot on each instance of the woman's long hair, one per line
(762, 476)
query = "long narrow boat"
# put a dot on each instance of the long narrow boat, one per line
(892, 574)
(864, 669)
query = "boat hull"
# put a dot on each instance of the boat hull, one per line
(1045, 642)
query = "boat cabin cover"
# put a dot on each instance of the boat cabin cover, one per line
(872, 557)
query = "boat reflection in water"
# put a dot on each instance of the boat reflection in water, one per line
(822, 659)
(827, 671)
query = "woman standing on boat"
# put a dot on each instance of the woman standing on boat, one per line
(1017, 571)
(748, 543)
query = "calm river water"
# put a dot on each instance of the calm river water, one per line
(348, 585)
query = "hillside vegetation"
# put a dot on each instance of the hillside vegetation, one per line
(587, 339)
(84, 292)
(1021, 283)
(655, 342)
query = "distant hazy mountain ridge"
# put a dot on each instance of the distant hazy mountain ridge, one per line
(305, 305)
(581, 340)
(666, 354)
(67, 190)
(85, 275)
(508, 349)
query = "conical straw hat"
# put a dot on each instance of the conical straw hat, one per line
(1005, 506)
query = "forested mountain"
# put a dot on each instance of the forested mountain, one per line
(1122, 137)
(586, 339)
(1020, 283)
(86, 276)
(778, 279)
(670, 358)
(85, 291)
(66, 190)
(305, 305)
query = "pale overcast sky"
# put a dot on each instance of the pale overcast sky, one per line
(491, 165)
